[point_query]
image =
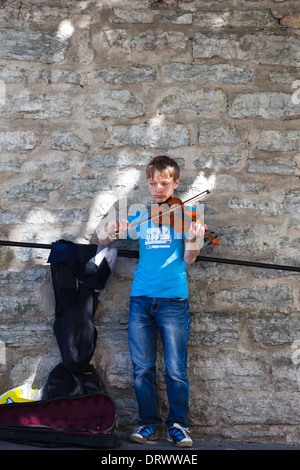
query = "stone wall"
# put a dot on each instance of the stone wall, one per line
(89, 92)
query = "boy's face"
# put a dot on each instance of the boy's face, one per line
(162, 186)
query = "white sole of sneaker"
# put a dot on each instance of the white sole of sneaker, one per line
(141, 440)
(180, 444)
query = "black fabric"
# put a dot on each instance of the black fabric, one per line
(60, 383)
(75, 306)
(92, 382)
(63, 383)
(79, 259)
(77, 280)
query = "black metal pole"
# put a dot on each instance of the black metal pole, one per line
(253, 264)
(25, 244)
(123, 253)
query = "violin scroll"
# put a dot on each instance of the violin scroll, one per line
(213, 240)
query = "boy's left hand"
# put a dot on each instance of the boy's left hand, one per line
(193, 241)
(196, 231)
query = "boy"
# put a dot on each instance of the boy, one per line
(159, 302)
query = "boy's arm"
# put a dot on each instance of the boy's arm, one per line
(112, 230)
(192, 242)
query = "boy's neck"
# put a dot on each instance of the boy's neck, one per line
(166, 201)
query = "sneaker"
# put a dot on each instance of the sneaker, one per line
(143, 434)
(180, 436)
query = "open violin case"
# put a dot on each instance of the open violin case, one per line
(86, 421)
(75, 409)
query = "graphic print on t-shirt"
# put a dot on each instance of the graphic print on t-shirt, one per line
(158, 237)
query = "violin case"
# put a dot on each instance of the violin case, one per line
(75, 409)
(85, 420)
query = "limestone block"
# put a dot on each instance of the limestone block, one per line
(68, 140)
(235, 19)
(113, 104)
(153, 136)
(266, 207)
(278, 140)
(262, 48)
(17, 307)
(272, 409)
(18, 141)
(216, 159)
(48, 77)
(29, 334)
(9, 75)
(29, 281)
(261, 298)
(274, 330)
(290, 203)
(32, 190)
(203, 100)
(268, 105)
(212, 329)
(203, 412)
(219, 73)
(231, 47)
(32, 45)
(132, 74)
(120, 372)
(88, 187)
(285, 373)
(42, 106)
(229, 369)
(277, 166)
(121, 39)
(144, 16)
(218, 133)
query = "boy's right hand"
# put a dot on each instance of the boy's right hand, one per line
(113, 230)
(121, 226)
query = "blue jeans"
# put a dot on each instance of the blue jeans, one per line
(171, 318)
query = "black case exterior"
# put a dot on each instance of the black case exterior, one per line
(75, 409)
(54, 438)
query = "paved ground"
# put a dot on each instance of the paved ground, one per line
(201, 444)
(124, 445)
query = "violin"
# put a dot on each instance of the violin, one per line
(178, 220)
(174, 212)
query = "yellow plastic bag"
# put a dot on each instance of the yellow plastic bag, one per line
(20, 394)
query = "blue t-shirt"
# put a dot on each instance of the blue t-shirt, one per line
(161, 267)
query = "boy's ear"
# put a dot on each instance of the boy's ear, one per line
(176, 183)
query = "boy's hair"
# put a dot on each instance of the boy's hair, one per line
(164, 165)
